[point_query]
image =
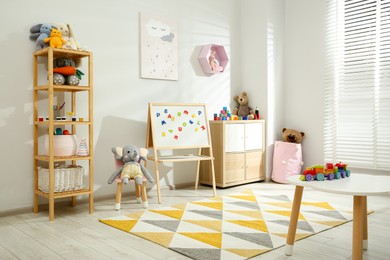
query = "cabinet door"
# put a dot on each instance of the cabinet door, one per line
(234, 167)
(254, 136)
(253, 165)
(234, 138)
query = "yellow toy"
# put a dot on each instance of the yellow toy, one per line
(55, 39)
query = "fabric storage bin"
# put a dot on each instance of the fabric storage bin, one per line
(287, 161)
(65, 178)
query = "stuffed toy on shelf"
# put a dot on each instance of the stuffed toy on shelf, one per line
(243, 109)
(40, 32)
(70, 40)
(55, 39)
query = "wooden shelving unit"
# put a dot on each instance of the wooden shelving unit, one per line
(50, 54)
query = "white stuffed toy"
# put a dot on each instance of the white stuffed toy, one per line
(67, 34)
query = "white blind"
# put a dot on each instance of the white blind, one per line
(357, 92)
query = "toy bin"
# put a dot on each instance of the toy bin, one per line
(287, 161)
(66, 178)
(64, 145)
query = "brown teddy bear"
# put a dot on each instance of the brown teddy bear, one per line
(292, 135)
(243, 109)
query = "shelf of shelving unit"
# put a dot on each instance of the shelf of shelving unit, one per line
(51, 89)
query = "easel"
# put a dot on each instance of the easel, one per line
(174, 126)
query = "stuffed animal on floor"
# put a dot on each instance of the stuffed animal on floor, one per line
(292, 135)
(243, 108)
(132, 169)
(40, 32)
(55, 39)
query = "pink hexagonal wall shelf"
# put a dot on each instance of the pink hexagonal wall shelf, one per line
(213, 58)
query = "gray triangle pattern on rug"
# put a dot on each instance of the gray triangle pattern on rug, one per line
(278, 198)
(262, 239)
(329, 213)
(170, 225)
(216, 214)
(245, 204)
(302, 225)
(199, 253)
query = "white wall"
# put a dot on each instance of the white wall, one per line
(110, 30)
(304, 74)
(275, 50)
(262, 64)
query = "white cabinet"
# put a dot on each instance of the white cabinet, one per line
(239, 152)
(243, 137)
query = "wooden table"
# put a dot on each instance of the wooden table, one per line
(359, 186)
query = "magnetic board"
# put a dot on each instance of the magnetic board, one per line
(178, 125)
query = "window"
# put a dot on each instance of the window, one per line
(357, 88)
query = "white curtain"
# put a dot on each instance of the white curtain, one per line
(357, 92)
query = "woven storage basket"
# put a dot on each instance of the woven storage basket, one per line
(65, 178)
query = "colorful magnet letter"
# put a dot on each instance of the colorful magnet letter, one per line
(163, 122)
(199, 112)
(185, 112)
(169, 116)
(191, 122)
(176, 137)
(178, 113)
(184, 124)
(163, 134)
(170, 130)
(157, 114)
(203, 127)
(180, 128)
(196, 129)
(165, 111)
(193, 115)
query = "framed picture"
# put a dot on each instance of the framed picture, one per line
(158, 40)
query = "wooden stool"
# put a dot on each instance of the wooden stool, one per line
(140, 191)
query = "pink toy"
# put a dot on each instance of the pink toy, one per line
(214, 64)
(213, 59)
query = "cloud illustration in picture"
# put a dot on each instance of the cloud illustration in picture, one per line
(168, 38)
(158, 29)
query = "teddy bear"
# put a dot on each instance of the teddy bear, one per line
(40, 32)
(131, 169)
(292, 135)
(67, 34)
(243, 108)
(55, 39)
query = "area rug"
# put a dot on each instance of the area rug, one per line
(237, 226)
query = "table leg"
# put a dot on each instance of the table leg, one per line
(358, 223)
(294, 219)
(365, 224)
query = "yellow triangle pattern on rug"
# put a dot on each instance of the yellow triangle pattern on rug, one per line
(235, 226)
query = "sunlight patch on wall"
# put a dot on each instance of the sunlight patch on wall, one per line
(6, 113)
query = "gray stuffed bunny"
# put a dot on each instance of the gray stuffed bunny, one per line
(132, 169)
(40, 32)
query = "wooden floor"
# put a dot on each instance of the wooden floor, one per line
(75, 234)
